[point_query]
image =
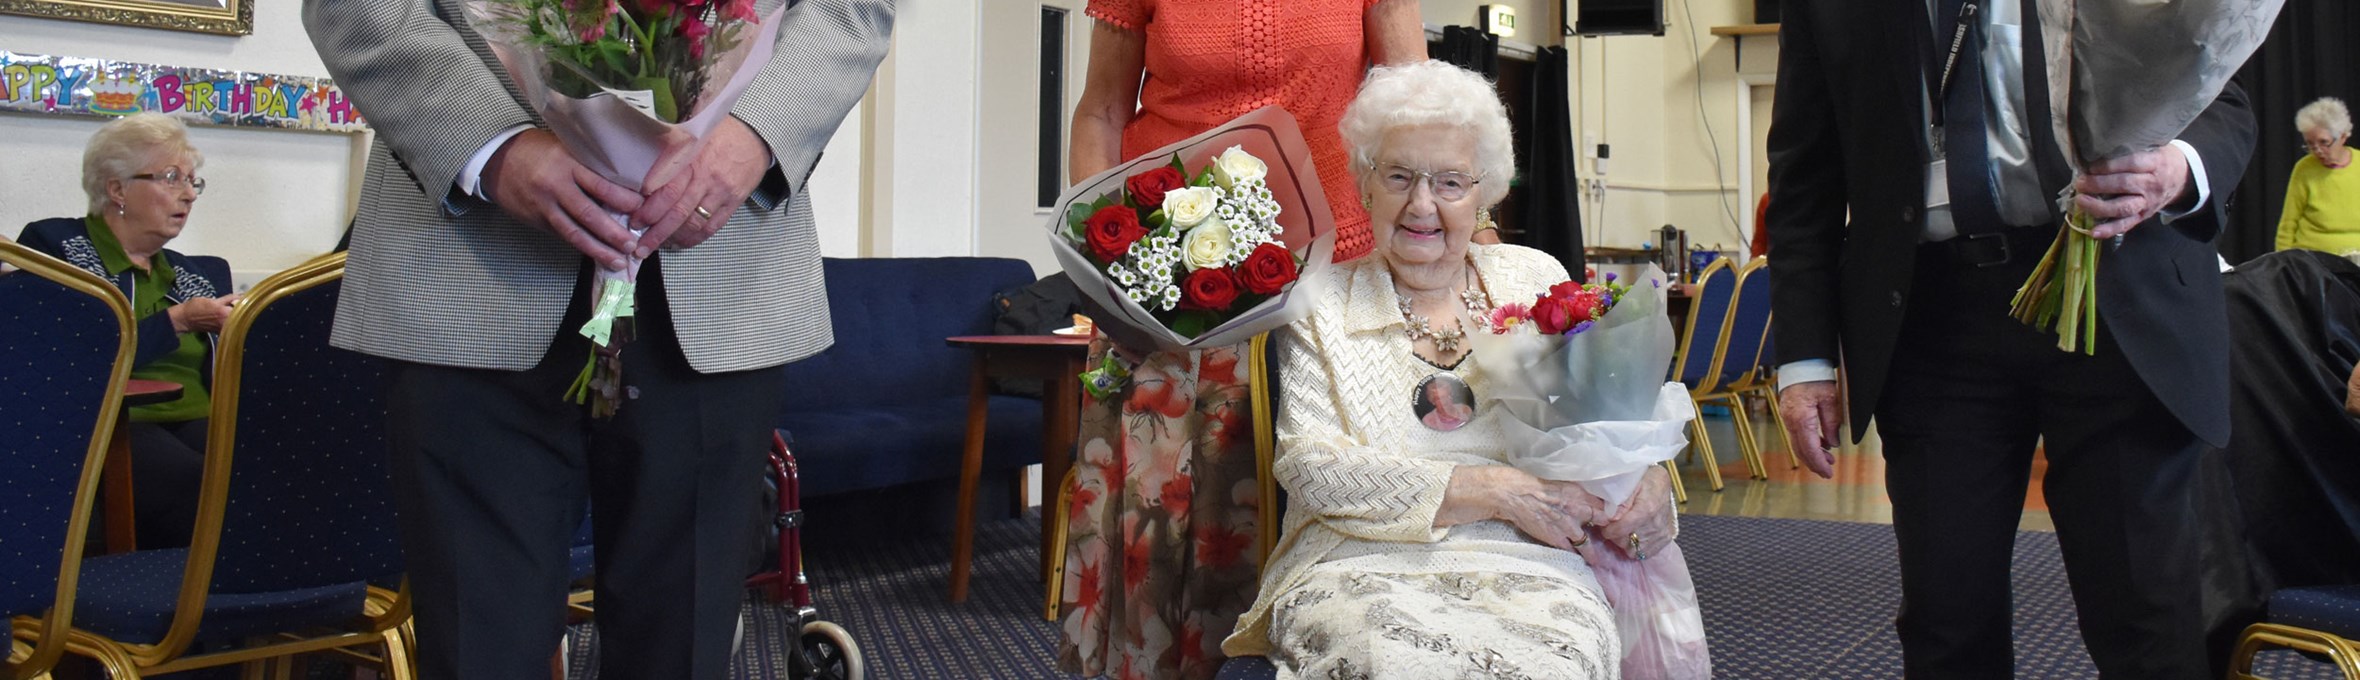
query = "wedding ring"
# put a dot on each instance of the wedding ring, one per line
(1585, 540)
(703, 213)
(1635, 552)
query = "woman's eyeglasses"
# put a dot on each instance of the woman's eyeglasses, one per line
(1447, 185)
(174, 176)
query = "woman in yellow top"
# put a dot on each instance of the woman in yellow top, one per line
(2323, 198)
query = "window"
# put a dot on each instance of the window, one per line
(1051, 180)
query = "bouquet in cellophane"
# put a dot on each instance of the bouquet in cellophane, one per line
(1205, 242)
(618, 83)
(1580, 372)
(2125, 76)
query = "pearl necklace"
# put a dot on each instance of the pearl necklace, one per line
(1418, 327)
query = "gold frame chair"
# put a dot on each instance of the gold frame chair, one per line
(2344, 653)
(1749, 445)
(48, 634)
(384, 613)
(1699, 438)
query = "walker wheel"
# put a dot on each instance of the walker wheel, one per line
(827, 653)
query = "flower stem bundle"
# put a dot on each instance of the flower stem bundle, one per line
(2062, 293)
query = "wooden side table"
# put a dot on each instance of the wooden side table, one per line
(121, 532)
(1055, 360)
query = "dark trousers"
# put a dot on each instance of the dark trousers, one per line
(1971, 392)
(491, 469)
(167, 463)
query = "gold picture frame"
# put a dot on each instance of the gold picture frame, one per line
(223, 17)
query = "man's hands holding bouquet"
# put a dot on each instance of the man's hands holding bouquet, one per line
(716, 177)
(2119, 194)
(537, 181)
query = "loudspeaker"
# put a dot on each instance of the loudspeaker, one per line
(1616, 17)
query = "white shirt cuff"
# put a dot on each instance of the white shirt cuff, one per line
(1805, 371)
(2195, 176)
(471, 177)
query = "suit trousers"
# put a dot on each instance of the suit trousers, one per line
(1972, 391)
(491, 470)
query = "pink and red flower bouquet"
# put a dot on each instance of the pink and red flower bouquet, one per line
(1205, 242)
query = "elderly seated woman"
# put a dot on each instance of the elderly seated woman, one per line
(1411, 548)
(140, 174)
(2322, 210)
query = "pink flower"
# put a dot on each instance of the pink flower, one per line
(738, 10)
(694, 30)
(1509, 315)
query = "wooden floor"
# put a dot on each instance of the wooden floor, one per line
(1857, 493)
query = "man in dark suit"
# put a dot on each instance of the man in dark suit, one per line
(470, 255)
(1913, 192)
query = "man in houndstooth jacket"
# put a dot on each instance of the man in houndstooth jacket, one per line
(471, 249)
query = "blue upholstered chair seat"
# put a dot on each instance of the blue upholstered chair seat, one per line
(2334, 610)
(867, 447)
(130, 598)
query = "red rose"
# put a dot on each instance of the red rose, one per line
(1147, 188)
(1208, 289)
(1269, 268)
(1553, 315)
(1111, 231)
(1588, 305)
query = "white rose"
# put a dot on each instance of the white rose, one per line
(1208, 245)
(1187, 207)
(1235, 165)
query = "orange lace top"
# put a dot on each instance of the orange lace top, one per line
(1210, 61)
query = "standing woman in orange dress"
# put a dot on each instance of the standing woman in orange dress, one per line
(1161, 555)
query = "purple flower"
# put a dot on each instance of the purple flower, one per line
(1610, 277)
(1579, 327)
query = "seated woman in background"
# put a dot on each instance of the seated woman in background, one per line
(2323, 196)
(140, 173)
(1413, 550)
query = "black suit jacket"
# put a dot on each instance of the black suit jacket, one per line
(1848, 157)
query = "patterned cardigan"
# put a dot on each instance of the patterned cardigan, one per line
(1357, 466)
(68, 238)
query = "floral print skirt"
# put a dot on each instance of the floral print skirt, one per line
(1344, 623)
(1161, 541)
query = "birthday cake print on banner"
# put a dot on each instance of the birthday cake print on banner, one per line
(76, 86)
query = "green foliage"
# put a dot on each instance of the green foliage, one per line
(1192, 323)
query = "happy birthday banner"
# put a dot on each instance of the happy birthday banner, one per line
(106, 88)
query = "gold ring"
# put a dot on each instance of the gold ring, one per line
(1585, 540)
(702, 212)
(1634, 542)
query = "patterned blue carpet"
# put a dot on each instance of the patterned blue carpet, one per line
(1782, 599)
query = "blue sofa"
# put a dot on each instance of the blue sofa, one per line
(887, 405)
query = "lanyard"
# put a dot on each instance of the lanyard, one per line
(1958, 40)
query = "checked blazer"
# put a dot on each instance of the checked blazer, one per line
(439, 277)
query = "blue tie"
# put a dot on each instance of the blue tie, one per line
(1973, 204)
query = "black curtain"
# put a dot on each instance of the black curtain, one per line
(1472, 49)
(2310, 54)
(1550, 193)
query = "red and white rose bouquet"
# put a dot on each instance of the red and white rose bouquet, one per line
(619, 82)
(1205, 242)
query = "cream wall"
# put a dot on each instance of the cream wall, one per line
(938, 160)
(273, 198)
(1641, 95)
